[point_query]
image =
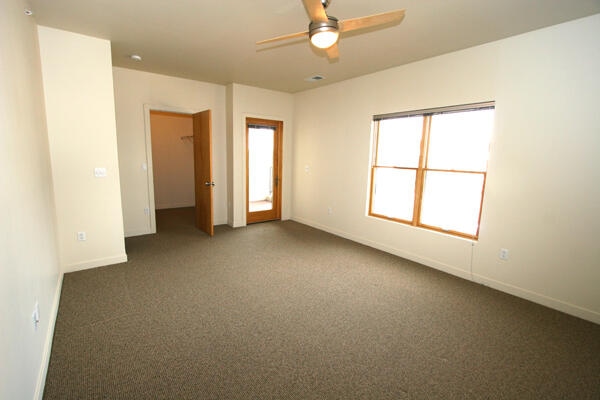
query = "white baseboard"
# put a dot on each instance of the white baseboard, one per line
(138, 232)
(535, 297)
(175, 205)
(41, 381)
(99, 262)
(397, 252)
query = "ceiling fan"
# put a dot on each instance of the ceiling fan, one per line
(324, 30)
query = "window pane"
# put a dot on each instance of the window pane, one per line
(460, 140)
(394, 193)
(452, 200)
(400, 142)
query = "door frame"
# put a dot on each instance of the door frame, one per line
(277, 172)
(148, 165)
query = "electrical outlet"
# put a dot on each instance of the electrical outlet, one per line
(503, 254)
(100, 172)
(329, 210)
(81, 236)
(146, 211)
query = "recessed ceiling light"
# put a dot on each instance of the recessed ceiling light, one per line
(314, 78)
(28, 12)
(135, 57)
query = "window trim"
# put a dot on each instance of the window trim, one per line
(422, 169)
(437, 110)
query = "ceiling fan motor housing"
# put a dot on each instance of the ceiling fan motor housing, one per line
(330, 25)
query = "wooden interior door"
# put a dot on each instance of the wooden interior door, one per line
(263, 169)
(203, 177)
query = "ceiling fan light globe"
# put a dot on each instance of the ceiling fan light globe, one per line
(324, 39)
(324, 34)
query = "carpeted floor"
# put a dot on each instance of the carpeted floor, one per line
(282, 311)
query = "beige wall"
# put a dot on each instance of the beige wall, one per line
(172, 160)
(29, 266)
(247, 101)
(78, 90)
(135, 93)
(542, 200)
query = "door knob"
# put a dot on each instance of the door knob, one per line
(209, 184)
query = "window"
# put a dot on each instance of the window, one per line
(429, 167)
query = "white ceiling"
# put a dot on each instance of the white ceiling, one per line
(214, 41)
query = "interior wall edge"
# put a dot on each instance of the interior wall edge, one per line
(41, 382)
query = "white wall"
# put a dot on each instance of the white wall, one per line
(78, 88)
(29, 267)
(172, 160)
(133, 90)
(248, 101)
(542, 198)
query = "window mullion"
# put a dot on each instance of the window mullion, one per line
(420, 178)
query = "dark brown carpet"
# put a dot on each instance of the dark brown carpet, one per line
(283, 311)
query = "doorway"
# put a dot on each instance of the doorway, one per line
(172, 159)
(181, 167)
(263, 169)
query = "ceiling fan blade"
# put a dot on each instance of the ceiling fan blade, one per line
(371, 20)
(315, 10)
(284, 37)
(333, 52)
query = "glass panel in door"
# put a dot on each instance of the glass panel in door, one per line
(260, 168)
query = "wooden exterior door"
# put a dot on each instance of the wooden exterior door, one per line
(263, 169)
(203, 177)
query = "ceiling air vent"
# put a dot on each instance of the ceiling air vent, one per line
(315, 78)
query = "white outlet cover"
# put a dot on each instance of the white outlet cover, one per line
(100, 172)
(35, 316)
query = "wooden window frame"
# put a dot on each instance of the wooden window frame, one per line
(422, 167)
